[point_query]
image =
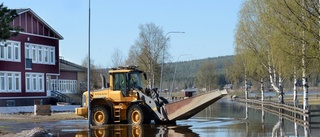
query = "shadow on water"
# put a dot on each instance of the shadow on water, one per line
(130, 131)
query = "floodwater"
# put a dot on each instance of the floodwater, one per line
(224, 118)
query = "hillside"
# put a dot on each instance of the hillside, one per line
(187, 70)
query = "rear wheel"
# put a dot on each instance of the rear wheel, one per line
(136, 115)
(100, 115)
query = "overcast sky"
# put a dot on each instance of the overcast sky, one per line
(209, 25)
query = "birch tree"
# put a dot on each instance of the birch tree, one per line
(147, 50)
(117, 58)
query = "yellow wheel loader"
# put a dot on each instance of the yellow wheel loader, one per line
(124, 100)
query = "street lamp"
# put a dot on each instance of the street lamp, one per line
(163, 56)
(88, 80)
(174, 74)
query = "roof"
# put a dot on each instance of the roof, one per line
(69, 66)
(21, 11)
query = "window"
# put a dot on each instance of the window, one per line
(40, 81)
(52, 57)
(46, 55)
(27, 52)
(28, 82)
(40, 54)
(2, 53)
(35, 82)
(10, 81)
(11, 52)
(2, 81)
(17, 82)
(16, 52)
(11, 103)
(65, 86)
(34, 54)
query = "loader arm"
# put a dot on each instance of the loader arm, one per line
(159, 110)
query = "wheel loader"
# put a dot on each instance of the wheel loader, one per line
(124, 100)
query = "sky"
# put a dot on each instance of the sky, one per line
(209, 26)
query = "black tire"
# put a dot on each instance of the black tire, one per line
(100, 115)
(136, 116)
(147, 113)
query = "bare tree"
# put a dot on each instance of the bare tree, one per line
(206, 76)
(95, 79)
(147, 50)
(117, 58)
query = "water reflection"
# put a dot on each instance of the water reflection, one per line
(224, 118)
(137, 131)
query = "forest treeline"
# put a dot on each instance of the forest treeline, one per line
(188, 73)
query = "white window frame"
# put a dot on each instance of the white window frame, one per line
(3, 79)
(42, 54)
(9, 52)
(52, 56)
(28, 79)
(10, 77)
(27, 50)
(17, 52)
(34, 82)
(34, 56)
(10, 84)
(5, 52)
(67, 86)
(46, 55)
(17, 86)
(40, 82)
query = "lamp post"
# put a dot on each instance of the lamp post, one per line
(162, 64)
(88, 81)
(174, 74)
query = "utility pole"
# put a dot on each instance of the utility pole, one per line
(88, 80)
(162, 64)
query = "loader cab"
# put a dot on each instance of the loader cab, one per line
(127, 81)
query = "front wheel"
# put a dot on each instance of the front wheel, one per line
(136, 115)
(100, 116)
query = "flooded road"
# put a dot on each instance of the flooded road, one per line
(223, 118)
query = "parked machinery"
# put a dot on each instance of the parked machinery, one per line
(124, 100)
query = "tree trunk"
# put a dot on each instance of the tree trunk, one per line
(304, 78)
(262, 89)
(246, 86)
(149, 77)
(281, 90)
(272, 81)
(295, 97)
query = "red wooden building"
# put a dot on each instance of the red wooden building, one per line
(28, 60)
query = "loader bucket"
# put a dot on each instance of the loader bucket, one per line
(186, 108)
